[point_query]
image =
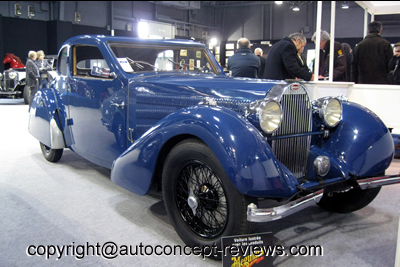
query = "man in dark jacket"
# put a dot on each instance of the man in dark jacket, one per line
(339, 59)
(32, 75)
(244, 63)
(282, 59)
(348, 52)
(259, 53)
(371, 57)
(394, 63)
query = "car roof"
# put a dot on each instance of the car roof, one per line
(95, 39)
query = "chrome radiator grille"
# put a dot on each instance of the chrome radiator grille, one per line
(297, 118)
(8, 82)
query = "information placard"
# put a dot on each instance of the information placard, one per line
(247, 250)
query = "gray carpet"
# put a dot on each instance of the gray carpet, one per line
(73, 202)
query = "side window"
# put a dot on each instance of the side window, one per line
(89, 62)
(63, 62)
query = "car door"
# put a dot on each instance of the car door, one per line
(96, 104)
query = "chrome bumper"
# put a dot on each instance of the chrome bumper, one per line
(10, 92)
(254, 214)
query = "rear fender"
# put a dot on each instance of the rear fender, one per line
(240, 148)
(45, 122)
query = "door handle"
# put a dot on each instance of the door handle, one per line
(122, 105)
(130, 135)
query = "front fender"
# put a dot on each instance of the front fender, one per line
(242, 151)
(361, 142)
(44, 120)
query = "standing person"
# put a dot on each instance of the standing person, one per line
(339, 60)
(349, 56)
(371, 57)
(43, 68)
(32, 76)
(394, 65)
(282, 63)
(244, 63)
(259, 53)
(301, 60)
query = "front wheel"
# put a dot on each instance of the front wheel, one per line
(345, 202)
(52, 155)
(201, 201)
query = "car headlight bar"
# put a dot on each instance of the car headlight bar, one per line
(12, 75)
(268, 114)
(329, 110)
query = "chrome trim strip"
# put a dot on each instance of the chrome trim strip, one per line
(294, 135)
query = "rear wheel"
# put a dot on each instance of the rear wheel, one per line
(201, 201)
(52, 155)
(345, 202)
(26, 94)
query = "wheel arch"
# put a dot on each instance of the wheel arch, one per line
(167, 147)
(244, 154)
(45, 120)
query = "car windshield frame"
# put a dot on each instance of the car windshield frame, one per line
(192, 59)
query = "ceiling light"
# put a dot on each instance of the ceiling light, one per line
(279, 2)
(345, 5)
(296, 8)
(143, 29)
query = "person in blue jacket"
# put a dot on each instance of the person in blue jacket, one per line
(244, 63)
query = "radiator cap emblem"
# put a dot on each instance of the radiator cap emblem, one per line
(295, 87)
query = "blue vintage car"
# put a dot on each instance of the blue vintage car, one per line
(162, 115)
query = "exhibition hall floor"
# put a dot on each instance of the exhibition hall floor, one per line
(74, 203)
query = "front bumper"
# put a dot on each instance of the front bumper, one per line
(254, 214)
(10, 93)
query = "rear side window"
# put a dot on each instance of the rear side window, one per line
(63, 62)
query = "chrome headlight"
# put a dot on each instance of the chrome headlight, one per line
(330, 110)
(270, 116)
(12, 75)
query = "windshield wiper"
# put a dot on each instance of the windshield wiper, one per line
(182, 63)
(139, 63)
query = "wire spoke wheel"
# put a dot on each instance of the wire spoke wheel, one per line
(201, 201)
(198, 184)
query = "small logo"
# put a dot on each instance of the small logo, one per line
(295, 87)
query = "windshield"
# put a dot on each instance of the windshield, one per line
(136, 59)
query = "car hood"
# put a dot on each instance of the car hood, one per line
(205, 85)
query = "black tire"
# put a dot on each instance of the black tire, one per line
(221, 208)
(52, 155)
(26, 94)
(119, 131)
(349, 201)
